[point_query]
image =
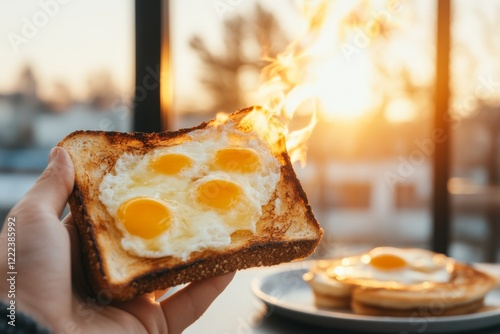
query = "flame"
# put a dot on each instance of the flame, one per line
(220, 118)
(288, 80)
(310, 69)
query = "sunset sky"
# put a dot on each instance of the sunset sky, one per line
(84, 37)
(79, 38)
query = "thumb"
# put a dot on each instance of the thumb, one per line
(52, 189)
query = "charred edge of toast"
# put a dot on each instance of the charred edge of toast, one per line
(255, 255)
(289, 175)
(258, 254)
(145, 138)
(91, 257)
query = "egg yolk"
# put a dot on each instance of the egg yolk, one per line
(387, 262)
(237, 159)
(144, 217)
(219, 194)
(171, 163)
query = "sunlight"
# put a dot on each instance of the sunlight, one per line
(400, 110)
(344, 89)
(314, 66)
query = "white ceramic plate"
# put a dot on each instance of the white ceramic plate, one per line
(286, 293)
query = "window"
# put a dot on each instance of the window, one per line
(369, 175)
(369, 171)
(66, 65)
(475, 107)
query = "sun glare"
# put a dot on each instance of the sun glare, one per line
(314, 67)
(400, 110)
(344, 89)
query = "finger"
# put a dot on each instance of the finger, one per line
(143, 308)
(186, 306)
(53, 187)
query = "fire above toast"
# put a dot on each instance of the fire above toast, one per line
(161, 209)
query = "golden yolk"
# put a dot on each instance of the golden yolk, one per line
(144, 217)
(237, 159)
(171, 163)
(387, 262)
(219, 194)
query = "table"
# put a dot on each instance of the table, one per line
(238, 311)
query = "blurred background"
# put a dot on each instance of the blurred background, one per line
(68, 65)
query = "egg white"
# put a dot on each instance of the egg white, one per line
(194, 227)
(421, 266)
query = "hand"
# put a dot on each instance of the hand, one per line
(49, 280)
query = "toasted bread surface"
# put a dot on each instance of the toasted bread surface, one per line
(283, 234)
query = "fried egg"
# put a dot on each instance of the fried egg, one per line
(389, 267)
(175, 200)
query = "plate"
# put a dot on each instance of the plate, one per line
(287, 294)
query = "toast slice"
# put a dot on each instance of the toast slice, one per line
(463, 293)
(286, 230)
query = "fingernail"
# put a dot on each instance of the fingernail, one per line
(53, 154)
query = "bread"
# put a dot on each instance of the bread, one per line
(282, 234)
(328, 293)
(462, 293)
